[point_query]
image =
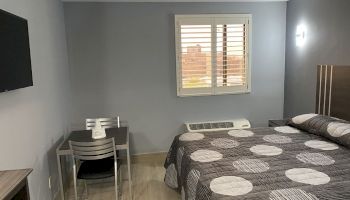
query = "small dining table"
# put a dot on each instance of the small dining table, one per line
(121, 138)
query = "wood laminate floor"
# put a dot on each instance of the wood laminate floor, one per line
(147, 175)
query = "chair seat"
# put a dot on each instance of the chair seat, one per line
(97, 169)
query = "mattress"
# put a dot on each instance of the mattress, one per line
(281, 163)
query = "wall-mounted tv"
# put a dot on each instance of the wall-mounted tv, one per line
(15, 62)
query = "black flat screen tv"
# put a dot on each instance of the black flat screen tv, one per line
(15, 62)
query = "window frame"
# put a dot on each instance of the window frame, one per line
(213, 90)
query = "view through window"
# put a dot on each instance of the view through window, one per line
(212, 53)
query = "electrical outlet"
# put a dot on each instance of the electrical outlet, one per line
(50, 182)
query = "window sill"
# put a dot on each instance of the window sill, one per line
(217, 94)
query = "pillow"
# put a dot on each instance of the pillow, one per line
(335, 129)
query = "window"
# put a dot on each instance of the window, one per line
(212, 54)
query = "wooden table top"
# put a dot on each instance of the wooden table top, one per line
(10, 179)
(121, 138)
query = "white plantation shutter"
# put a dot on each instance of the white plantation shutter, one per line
(212, 54)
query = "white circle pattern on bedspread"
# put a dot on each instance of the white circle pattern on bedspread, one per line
(315, 158)
(205, 155)
(323, 145)
(191, 136)
(266, 150)
(278, 139)
(224, 143)
(307, 176)
(303, 118)
(251, 165)
(236, 186)
(171, 176)
(240, 133)
(337, 129)
(286, 129)
(179, 156)
(231, 186)
(192, 181)
(291, 194)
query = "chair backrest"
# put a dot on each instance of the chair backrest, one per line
(97, 150)
(105, 123)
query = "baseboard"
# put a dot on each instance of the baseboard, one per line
(123, 156)
(149, 157)
(150, 153)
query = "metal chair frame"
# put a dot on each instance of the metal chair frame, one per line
(105, 123)
(97, 150)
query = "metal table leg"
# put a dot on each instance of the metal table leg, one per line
(129, 173)
(59, 167)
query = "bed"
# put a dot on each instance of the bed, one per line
(307, 160)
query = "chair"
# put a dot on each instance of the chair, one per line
(105, 123)
(96, 163)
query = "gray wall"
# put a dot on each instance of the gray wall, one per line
(328, 31)
(122, 58)
(33, 119)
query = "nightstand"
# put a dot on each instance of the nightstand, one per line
(277, 122)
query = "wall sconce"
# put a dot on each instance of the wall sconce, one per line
(300, 36)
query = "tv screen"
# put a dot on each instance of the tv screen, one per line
(15, 63)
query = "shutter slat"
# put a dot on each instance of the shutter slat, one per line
(230, 69)
(196, 44)
(226, 71)
(199, 44)
(204, 76)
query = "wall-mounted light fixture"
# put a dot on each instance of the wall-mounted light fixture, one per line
(300, 35)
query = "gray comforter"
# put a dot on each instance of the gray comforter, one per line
(281, 163)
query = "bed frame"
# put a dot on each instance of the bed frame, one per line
(333, 91)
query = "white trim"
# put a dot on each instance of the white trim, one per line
(205, 19)
(169, 1)
(238, 16)
(214, 83)
(198, 94)
(325, 91)
(330, 91)
(319, 91)
(177, 58)
(149, 153)
(249, 54)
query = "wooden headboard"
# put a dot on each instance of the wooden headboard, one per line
(333, 91)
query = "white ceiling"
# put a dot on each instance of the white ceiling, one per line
(171, 0)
